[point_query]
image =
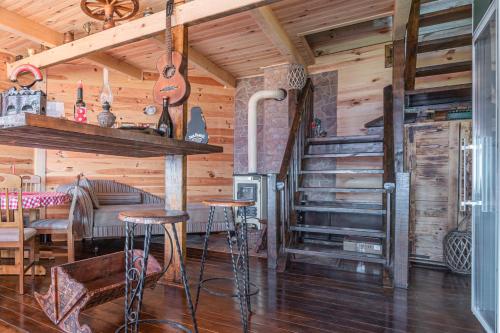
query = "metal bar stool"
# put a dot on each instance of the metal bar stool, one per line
(240, 260)
(135, 278)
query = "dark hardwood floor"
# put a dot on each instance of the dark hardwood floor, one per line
(306, 298)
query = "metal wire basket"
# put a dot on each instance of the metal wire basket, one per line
(458, 249)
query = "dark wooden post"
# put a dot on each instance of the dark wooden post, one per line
(176, 165)
(412, 45)
(398, 102)
(400, 263)
(389, 163)
(272, 222)
(402, 230)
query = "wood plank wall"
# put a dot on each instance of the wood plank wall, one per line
(13, 159)
(209, 175)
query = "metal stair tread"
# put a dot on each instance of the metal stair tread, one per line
(446, 15)
(322, 251)
(342, 207)
(444, 43)
(439, 89)
(362, 232)
(447, 68)
(340, 155)
(343, 171)
(346, 139)
(341, 190)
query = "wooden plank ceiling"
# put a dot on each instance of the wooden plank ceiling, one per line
(236, 43)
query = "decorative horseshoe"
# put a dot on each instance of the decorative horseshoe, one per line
(27, 68)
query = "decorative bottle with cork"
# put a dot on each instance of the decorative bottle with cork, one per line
(80, 111)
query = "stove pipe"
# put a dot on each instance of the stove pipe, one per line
(278, 95)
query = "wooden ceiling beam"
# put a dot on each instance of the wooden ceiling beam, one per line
(401, 16)
(190, 13)
(204, 64)
(38, 33)
(273, 29)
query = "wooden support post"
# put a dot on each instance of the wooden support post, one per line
(412, 45)
(401, 230)
(272, 222)
(398, 102)
(401, 216)
(40, 155)
(176, 167)
(389, 176)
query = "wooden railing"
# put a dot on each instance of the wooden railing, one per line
(283, 185)
(300, 128)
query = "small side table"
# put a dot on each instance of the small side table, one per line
(136, 278)
(240, 260)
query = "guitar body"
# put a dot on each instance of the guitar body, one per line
(171, 84)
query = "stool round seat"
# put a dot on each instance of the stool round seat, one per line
(157, 216)
(228, 203)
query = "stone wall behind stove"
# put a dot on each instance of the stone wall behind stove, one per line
(246, 88)
(274, 117)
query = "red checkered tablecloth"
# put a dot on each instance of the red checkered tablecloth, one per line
(33, 200)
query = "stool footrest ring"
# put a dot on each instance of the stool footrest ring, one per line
(253, 292)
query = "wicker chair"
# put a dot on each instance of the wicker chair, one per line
(102, 221)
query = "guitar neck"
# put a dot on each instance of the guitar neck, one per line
(168, 39)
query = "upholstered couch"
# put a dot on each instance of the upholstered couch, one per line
(99, 217)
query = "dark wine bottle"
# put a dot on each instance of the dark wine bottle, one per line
(80, 108)
(165, 127)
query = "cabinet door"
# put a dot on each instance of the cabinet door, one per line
(433, 160)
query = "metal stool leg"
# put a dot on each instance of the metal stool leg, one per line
(134, 295)
(204, 256)
(243, 307)
(246, 259)
(243, 266)
(185, 279)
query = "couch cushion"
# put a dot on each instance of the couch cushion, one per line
(50, 224)
(119, 198)
(12, 234)
(85, 184)
(108, 215)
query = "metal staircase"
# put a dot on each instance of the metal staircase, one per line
(328, 209)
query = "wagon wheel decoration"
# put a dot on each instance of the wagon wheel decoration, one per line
(110, 11)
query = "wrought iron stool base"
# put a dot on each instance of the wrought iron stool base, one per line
(239, 257)
(253, 290)
(137, 266)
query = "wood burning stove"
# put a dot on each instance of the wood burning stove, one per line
(251, 187)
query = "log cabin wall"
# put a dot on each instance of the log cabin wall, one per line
(13, 159)
(209, 175)
(212, 174)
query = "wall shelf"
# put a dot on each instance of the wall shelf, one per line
(36, 131)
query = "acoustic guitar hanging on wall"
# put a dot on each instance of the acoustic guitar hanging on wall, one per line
(171, 85)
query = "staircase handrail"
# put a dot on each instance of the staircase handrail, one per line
(303, 108)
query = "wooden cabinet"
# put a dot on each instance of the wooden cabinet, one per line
(434, 158)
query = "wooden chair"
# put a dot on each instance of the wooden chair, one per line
(11, 227)
(32, 183)
(61, 226)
